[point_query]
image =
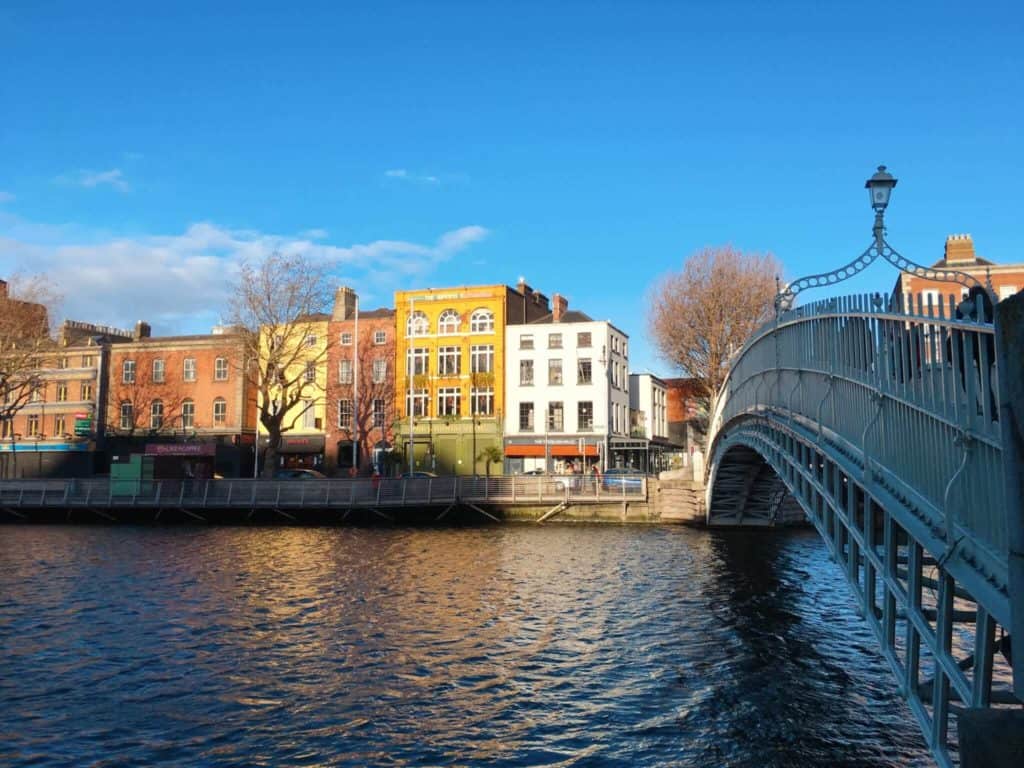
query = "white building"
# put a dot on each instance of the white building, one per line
(648, 405)
(567, 392)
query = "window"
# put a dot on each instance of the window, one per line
(308, 415)
(379, 412)
(526, 341)
(88, 361)
(189, 369)
(346, 339)
(584, 371)
(583, 340)
(59, 426)
(127, 416)
(449, 401)
(33, 425)
(62, 393)
(526, 373)
(128, 372)
(526, 417)
(481, 358)
(380, 337)
(158, 371)
(481, 401)
(419, 359)
(418, 325)
(625, 349)
(554, 372)
(344, 371)
(188, 414)
(554, 341)
(310, 372)
(449, 361)
(481, 321)
(585, 416)
(311, 340)
(344, 414)
(220, 412)
(276, 342)
(86, 392)
(380, 370)
(5, 429)
(38, 393)
(556, 417)
(419, 403)
(62, 362)
(448, 322)
(220, 369)
(156, 415)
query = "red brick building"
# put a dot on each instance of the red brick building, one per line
(360, 386)
(683, 411)
(959, 255)
(183, 390)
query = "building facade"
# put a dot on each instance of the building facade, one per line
(959, 255)
(360, 387)
(450, 372)
(567, 389)
(61, 430)
(648, 404)
(182, 390)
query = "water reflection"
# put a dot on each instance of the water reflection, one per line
(513, 646)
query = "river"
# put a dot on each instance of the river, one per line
(514, 645)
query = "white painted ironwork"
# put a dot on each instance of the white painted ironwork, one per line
(880, 420)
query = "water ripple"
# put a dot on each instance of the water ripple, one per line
(511, 646)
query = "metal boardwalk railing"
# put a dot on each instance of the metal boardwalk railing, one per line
(882, 421)
(245, 494)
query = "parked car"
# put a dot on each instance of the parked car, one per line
(299, 474)
(620, 477)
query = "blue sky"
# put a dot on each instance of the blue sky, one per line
(586, 146)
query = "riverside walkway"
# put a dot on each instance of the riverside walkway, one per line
(106, 499)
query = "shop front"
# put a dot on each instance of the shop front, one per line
(554, 454)
(301, 452)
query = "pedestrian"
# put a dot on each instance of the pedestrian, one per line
(375, 479)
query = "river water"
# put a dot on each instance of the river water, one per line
(510, 645)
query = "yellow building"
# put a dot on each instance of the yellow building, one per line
(299, 351)
(453, 342)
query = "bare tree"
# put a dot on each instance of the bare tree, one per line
(277, 308)
(699, 315)
(25, 341)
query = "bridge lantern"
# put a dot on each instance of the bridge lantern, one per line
(880, 187)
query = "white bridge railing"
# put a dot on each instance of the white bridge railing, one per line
(910, 390)
(321, 494)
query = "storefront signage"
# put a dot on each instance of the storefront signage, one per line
(181, 449)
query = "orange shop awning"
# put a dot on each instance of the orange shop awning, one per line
(526, 451)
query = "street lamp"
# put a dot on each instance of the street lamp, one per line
(879, 187)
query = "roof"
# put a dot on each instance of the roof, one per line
(369, 314)
(569, 316)
(976, 262)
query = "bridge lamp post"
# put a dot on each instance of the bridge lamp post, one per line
(879, 188)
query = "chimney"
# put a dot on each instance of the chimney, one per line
(960, 250)
(559, 306)
(142, 331)
(344, 304)
(523, 288)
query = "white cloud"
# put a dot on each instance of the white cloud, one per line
(6, 197)
(313, 234)
(90, 179)
(180, 283)
(402, 173)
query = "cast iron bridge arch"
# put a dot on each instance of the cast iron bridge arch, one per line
(881, 422)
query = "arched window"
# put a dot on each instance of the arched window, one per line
(188, 414)
(220, 412)
(156, 414)
(481, 321)
(418, 324)
(448, 322)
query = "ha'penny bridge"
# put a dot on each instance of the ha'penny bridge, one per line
(896, 425)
